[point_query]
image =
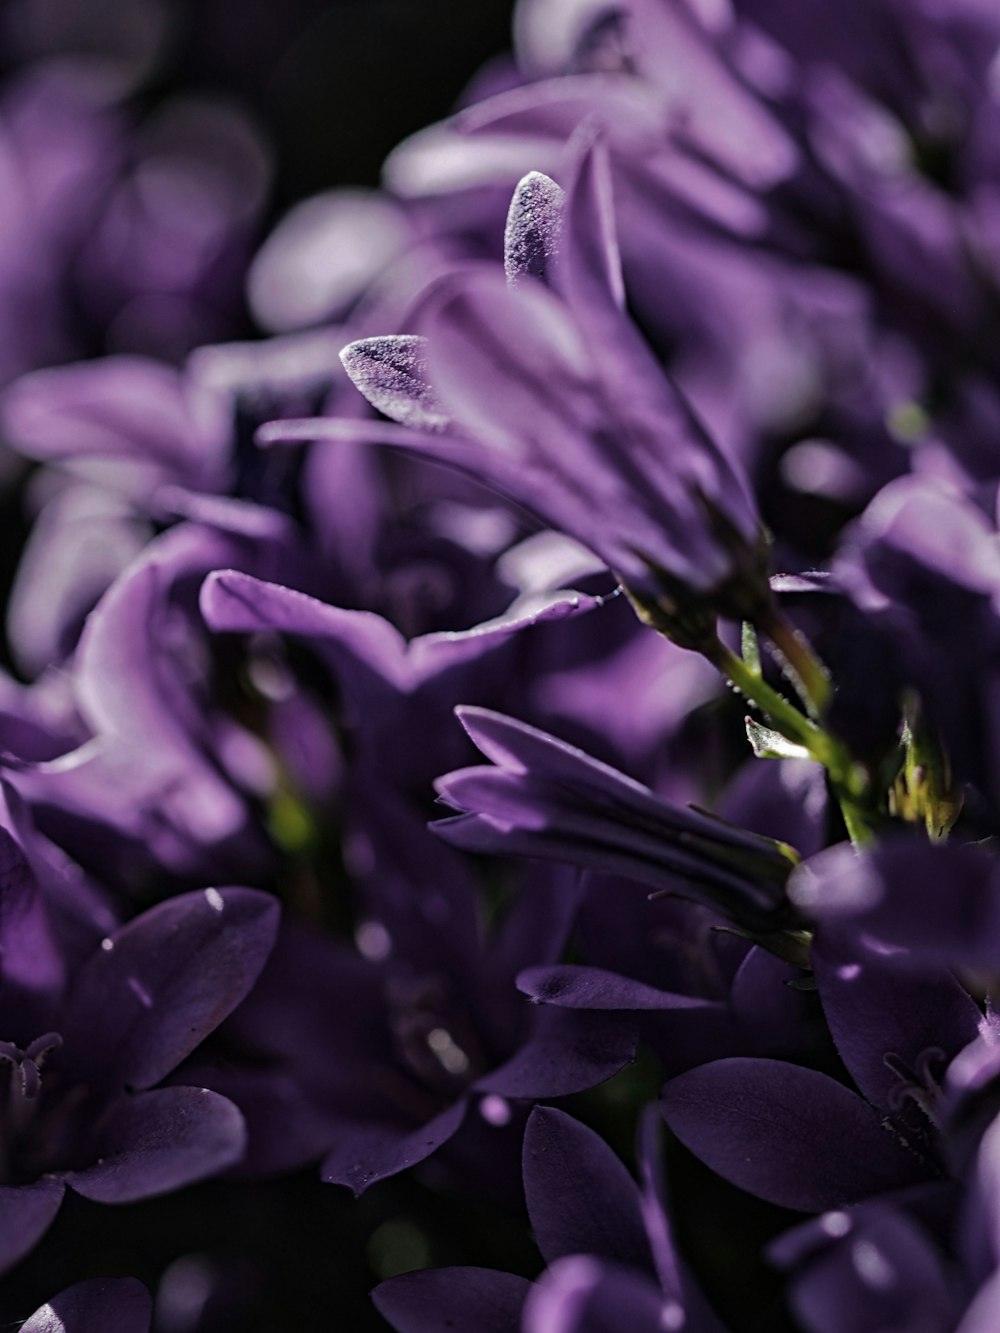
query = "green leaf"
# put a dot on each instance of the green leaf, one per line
(750, 648)
(768, 744)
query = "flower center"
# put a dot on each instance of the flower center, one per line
(919, 1084)
(432, 1040)
(31, 1124)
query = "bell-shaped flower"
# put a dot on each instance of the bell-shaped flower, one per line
(543, 798)
(85, 1049)
(541, 386)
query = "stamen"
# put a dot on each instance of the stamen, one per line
(28, 1062)
(920, 1085)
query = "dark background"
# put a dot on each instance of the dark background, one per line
(335, 85)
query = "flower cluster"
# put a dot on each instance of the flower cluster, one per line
(572, 628)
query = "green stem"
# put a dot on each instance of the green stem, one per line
(858, 829)
(783, 714)
(798, 663)
(847, 781)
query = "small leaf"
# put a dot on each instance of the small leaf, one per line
(768, 744)
(750, 647)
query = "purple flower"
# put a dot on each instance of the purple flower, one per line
(922, 565)
(85, 1046)
(127, 422)
(873, 1266)
(398, 693)
(160, 779)
(417, 1042)
(799, 1138)
(608, 1243)
(547, 799)
(546, 391)
(923, 904)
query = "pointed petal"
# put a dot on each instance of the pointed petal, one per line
(789, 1135)
(130, 409)
(439, 1300)
(534, 221)
(366, 648)
(875, 1009)
(26, 1213)
(571, 986)
(566, 1052)
(372, 1152)
(391, 372)
(161, 984)
(101, 1305)
(159, 1141)
(590, 271)
(581, 1199)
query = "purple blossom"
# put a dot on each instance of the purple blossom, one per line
(551, 396)
(608, 1244)
(417, 1041)
(85, 1048)
(546, 799)
(746, 304)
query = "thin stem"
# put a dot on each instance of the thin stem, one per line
(783, 714)
(855, 822)
(845, 777)
(798, 663)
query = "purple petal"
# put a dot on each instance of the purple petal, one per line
(438, 1300)
(26, 1213)
(161, 984)
(552, 801)
(159, 1141)
(937, 902)
(391, 372)
(789, 1135)
(322, 255)
(876, 1009)
(241, 518)
(101, 1305)
(80, 542)
(571, 986)
(519, 748)
(582, 1295)
(130, 694)
(430, 651)
(510, 365)
(581, 1199)
(371, 655)
(590, 274)
(134, 411)
(31, 964)
(566, 1052)
(366, 647)
(534, 221)
(675, 1281)
(372, 1152)
(885, 1274)
(357, 430)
